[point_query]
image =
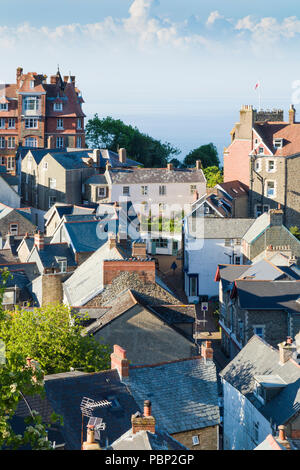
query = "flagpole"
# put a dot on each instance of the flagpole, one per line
(259, 96)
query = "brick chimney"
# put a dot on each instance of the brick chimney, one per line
(292, 114)
(198, 165)
(53, 79)
(90, 443)
(207, 351)
(170, 166)
(122, 155)
(145, 269)
(139, 249)
(119, 361)
(52, 289)
(39, 240)
(144, 422)
(286, 350)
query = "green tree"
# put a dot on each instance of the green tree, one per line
(47, 335)
(295, 231)
(176, 163)
(213, 176)
(55, 343)
(208, 155)
(113, 134)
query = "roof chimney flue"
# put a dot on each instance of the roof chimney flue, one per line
(292, 114)
(122, 155)
(145, 422)
(90, 443)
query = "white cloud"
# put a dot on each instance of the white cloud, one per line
(213, 17)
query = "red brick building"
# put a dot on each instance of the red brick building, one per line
(34, 113)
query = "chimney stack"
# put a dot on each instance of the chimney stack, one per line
(50, 142)
(96, 156)
(53, 79)
(286, 350)
(144, 422)
(198, 165)
(276, 217)
(19, 74)
(292, 114)
(112, 241)
(207, 351)
(170, 166)
(122, 155)
(120, 362)
(90, 443)
(139, 249)
(39, 240)
(281, 435)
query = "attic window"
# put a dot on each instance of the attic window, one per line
(57, 106)
(278, 143)
(196, 441)
(261, 150)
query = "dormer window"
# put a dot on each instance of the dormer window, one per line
(278, 143)
(31, 83)
(3, 107)
(62, 263)
(58, 107)
(266, 387)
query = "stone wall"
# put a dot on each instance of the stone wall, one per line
(208, 438)
(52, 291)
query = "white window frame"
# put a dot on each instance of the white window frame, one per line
(258, 165)
(31, 142)
(2, 123)
(2, 142)
(31, 123)
(78, 141)
(127, 192)
(14, 232)
(60, 142)
(63, 264)
(11, 123)
(162, 190)
(268, 163)
(278, 143)
(99, 189)
(57, 107)
(144, 190)
(3, 106)
(266, 189)
(31, 103)
(11, 142)
(60, 123)
(31, 83)
(10, 163)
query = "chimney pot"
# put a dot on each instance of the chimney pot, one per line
(170, 166)
(147, 408)
(292, 114)
(90, 443)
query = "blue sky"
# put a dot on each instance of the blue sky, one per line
(177, 69)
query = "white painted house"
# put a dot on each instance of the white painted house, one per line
(260, 392)
(209, 241)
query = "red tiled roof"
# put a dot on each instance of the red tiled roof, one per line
(290, 133)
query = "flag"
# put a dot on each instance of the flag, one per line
(257, 85)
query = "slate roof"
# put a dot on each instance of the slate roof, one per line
(50, 252)
(84, 235)
(145, 440)
(66, 391)
(156, 175)
(96, 179)
(87, 280)
(218, 227)
(268, 295)
(183, 394)
(259, 358)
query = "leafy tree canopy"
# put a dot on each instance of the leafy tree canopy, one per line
(295, 231)
(208, 155)
(113, 134)
(213, 176)
(56, 344)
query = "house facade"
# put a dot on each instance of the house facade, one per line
(260, 393)
(34, 113)
(265, 155)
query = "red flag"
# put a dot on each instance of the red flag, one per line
(257, 85)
